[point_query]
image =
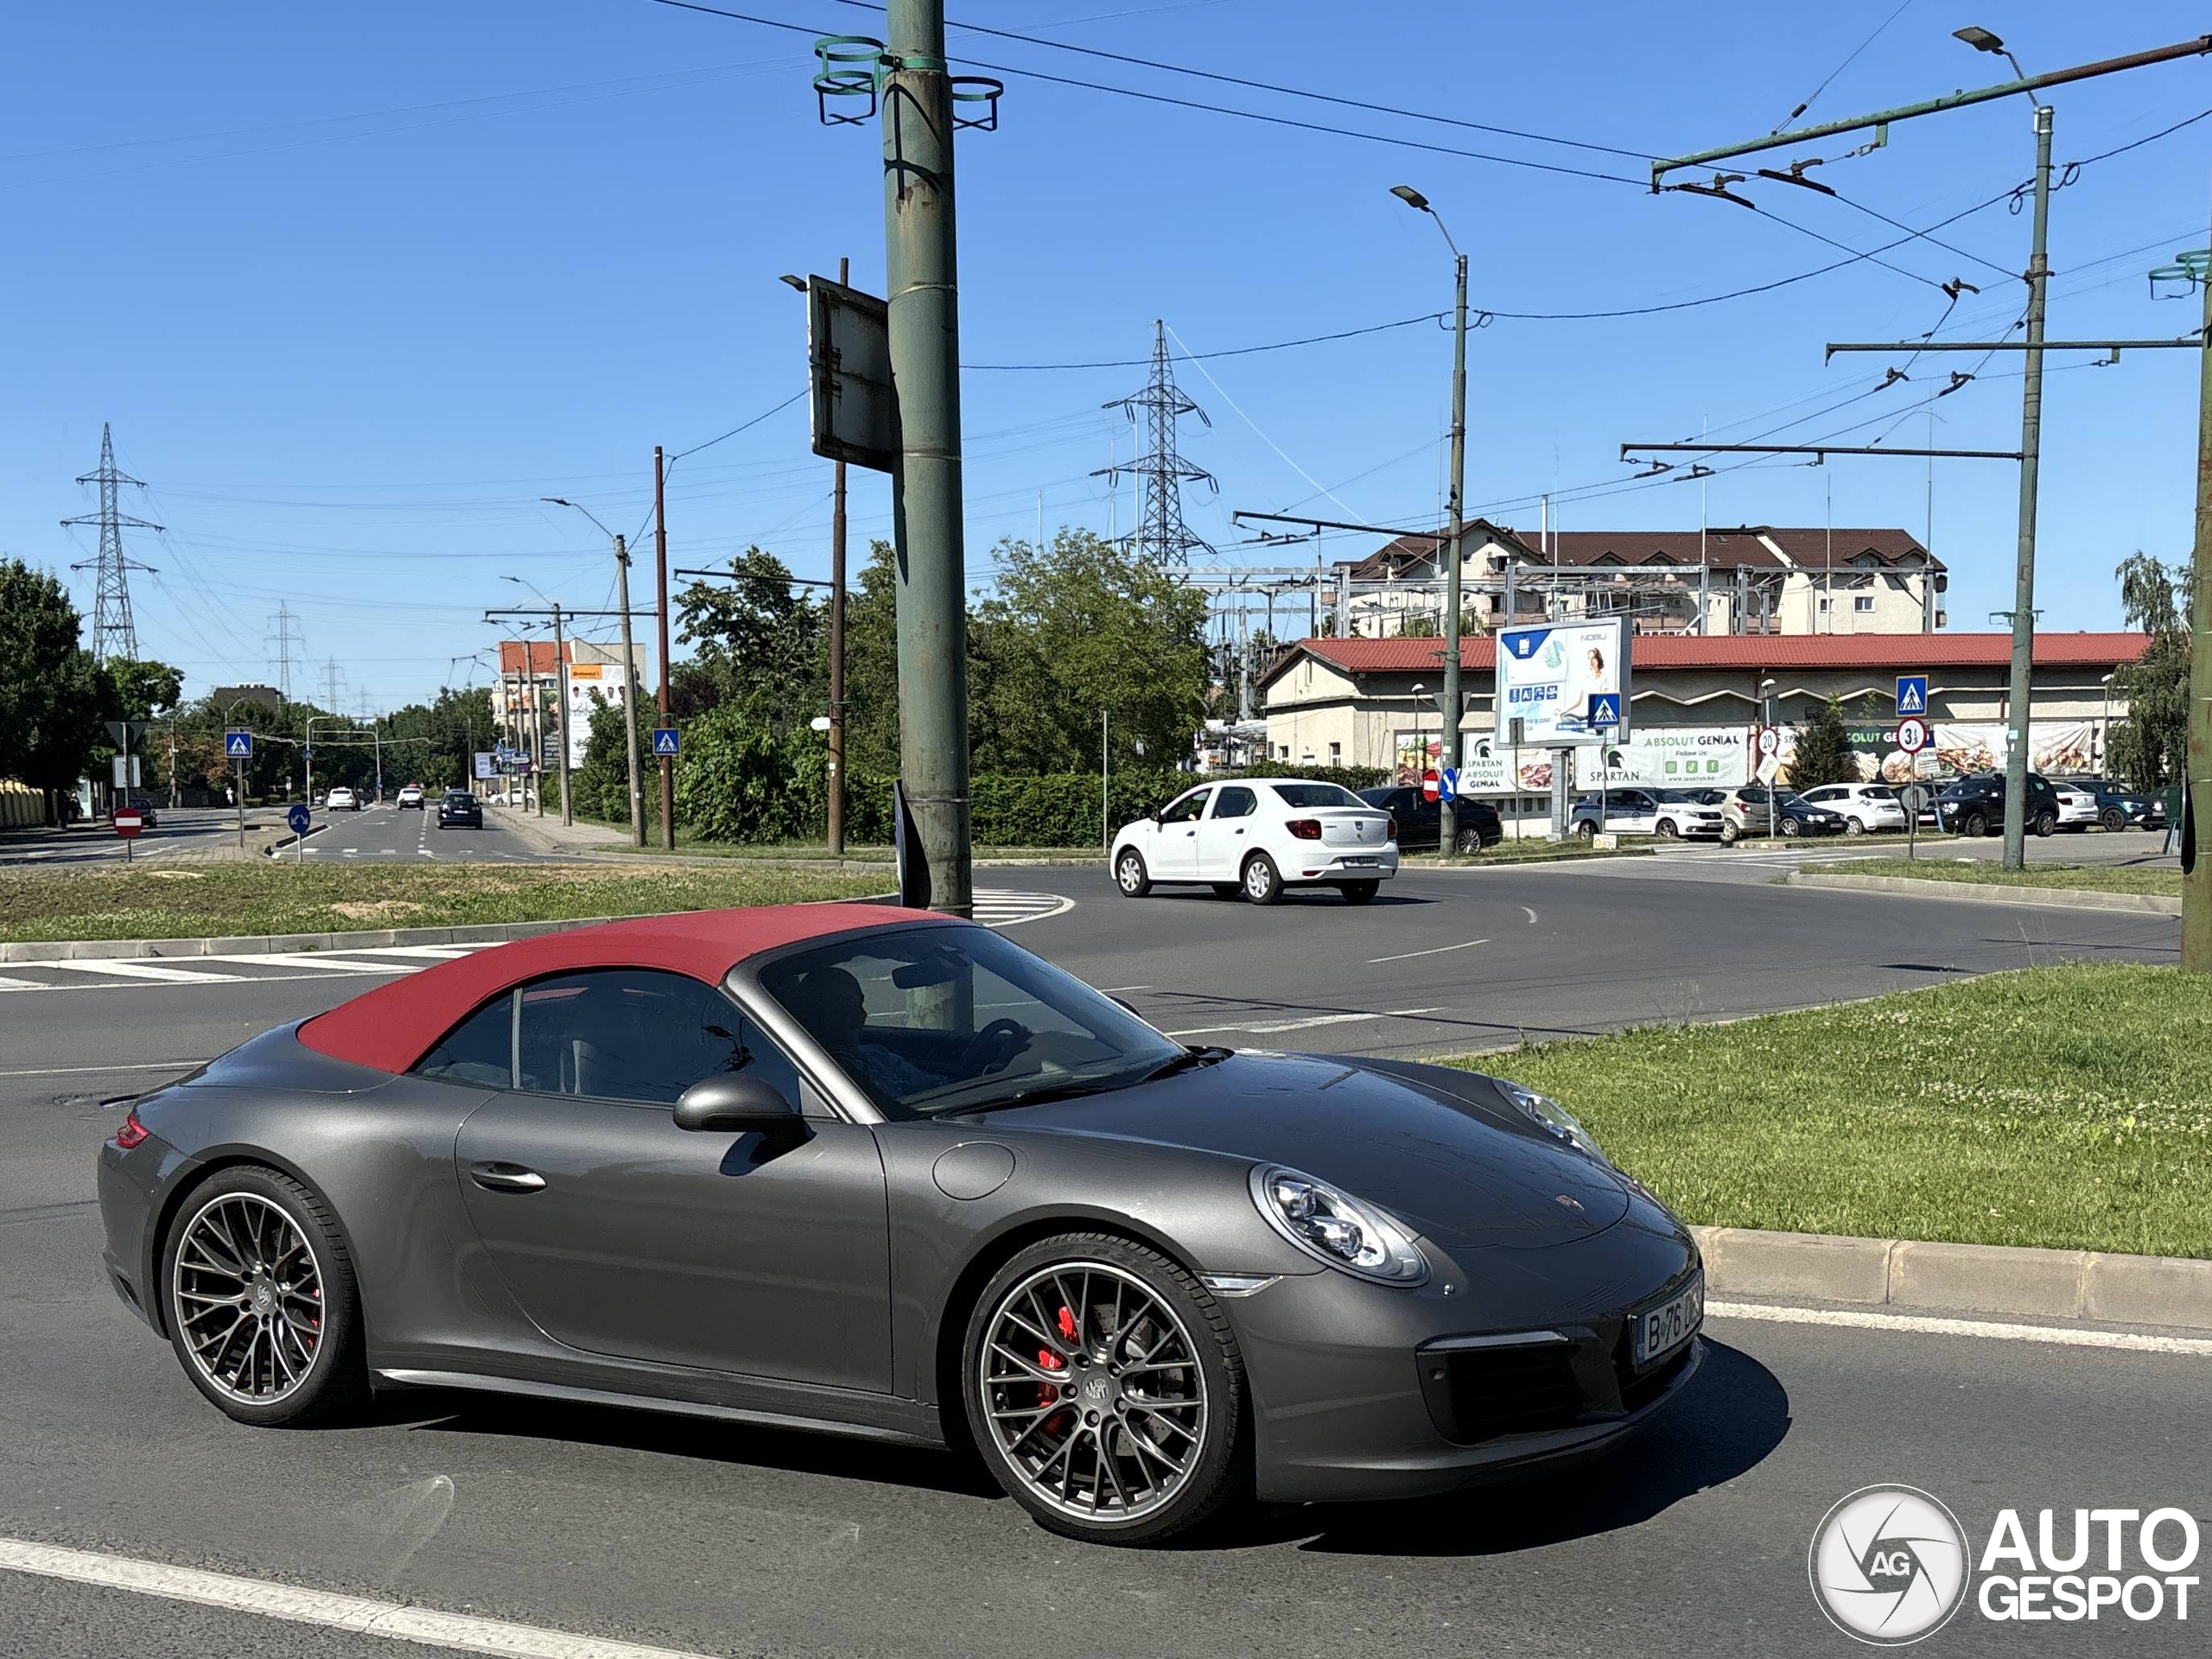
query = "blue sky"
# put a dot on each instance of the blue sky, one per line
(356, 285)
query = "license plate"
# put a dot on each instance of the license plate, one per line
(1366, 862)
(1674, 1322)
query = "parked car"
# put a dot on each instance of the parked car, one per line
(2077, 807)
(343, 800)
(1974, 805)
(2118, 807)
(1865, 807)
(1420, 821)
(1674, 813)
(144, 806)
(457, 806)
(1755, 810)
(1259, 836)
(410, 795)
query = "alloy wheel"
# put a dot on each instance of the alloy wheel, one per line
(1093, 1392)
(247, 1298)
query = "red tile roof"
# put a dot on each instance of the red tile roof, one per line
(1404, 655)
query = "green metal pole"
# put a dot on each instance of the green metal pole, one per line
(2196, 884)
(2024, 577)
(923, 291)
(1448, 811)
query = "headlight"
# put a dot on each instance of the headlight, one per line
(1551, 1118)
(1336, 1227)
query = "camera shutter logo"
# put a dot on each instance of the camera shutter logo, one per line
(1889, 1565)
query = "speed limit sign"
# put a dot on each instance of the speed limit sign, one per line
(1912, 735)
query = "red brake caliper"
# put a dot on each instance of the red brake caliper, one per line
(1046, 1392)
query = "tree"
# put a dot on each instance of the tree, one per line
(144, 690)
(758, 642)
(54, 698)
(1824, 754)
(2149, 747)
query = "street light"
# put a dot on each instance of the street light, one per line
(629, 674)
(1448, 812)
(1982, 40)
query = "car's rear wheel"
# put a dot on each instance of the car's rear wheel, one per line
(1854, 826)
(1104, 1389)
(2113, 818)
(1263, 881)
(2046, 823)
(1129, 874)
(1469, 841)
(261, 1301)
(1360, 892)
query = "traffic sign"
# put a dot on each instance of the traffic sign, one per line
(299, 817)
(128, 821)
(237, 745)
(1912, 735)
(1447, 784)
(665, 741)
(1604, 708)
(1431, 786)
(1912, 694)
(1770, 739)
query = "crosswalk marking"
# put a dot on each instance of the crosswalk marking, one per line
(135, 970)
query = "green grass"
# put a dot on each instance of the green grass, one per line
(814, 850)
(2069, 1106)
(274, 897)
(2087, 878)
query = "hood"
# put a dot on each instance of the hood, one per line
(1440, 1149)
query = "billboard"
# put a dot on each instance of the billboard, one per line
(1547, 673)
(2057, 747)
(1485, 767)
(590, 685)
(1669, 757)
(487, 763)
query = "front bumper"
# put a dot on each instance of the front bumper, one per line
(1352, 1398)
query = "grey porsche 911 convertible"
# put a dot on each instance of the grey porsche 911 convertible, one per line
(881, 1172)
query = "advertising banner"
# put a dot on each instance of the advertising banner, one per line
(487, 763)
(590, 686)
(1547, 675)
(1486, 768)
(2059, 748)
(1669, 757)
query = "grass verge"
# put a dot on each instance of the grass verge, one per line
(266, 897)
(2068, 1107)
(815, 852)
(1985, 872)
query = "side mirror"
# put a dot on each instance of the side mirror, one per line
(735, 1105)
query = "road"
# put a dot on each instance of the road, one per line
(384, 831)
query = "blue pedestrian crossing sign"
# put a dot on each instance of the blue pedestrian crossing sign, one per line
(1912, 695)
(1604, 708)
(237, 745)
(665, 741)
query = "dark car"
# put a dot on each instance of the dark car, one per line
(1755, 810)
(1975, 804)
(863, 1170)
(457, 806)
(143, 805)
(2119, 807)
(1420, 822)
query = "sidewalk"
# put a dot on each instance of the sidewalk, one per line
(549, 835)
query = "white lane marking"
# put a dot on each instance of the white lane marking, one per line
(127, 968)
(1303, 1025)
(1530, 913)
(1408, 956)
(1109, 990)
(1993, 1329)
(995, 907)
(319, 961)
(133, 1065)
(7, 984)
(391, 1619)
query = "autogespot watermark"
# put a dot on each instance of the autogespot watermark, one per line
(1891, 1565)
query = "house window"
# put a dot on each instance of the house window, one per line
(1336, 754)
(1824, 601)
(1863, 603)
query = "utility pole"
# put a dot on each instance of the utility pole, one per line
(2196, 772)
(923, 295)
(2024, 574)
(660, 566)
(629, 697)
(837, 769)
(561, 714)
(533, 730)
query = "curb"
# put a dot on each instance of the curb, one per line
(274, 943)
(1991, 893)
(1911, 1276)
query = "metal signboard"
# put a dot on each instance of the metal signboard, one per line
(1447, 784)
(854, 410)
(487, 764)
(237, 745)
(299, 817)
(1548, 674)
(665, 741)
(1913, 734)
(128, 821)
(1604, 710)
(1912, 694)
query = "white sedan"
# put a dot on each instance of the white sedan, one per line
(1866, 807)
(1258, 836)
(342, 799)
(2077, 807)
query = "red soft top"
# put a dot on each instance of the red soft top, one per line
(393, 1026)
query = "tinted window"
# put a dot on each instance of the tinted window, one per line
(479, 1050)
(1316, 795)
(630, 1033)
(1184, 811)
(1235, 803)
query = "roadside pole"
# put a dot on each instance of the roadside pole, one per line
(660, 605)
(1514, 728)
(1448, 810)
(629, 697)
(2023, 576)
(2195, 827)
(922, 293)
(836, 768)
(237, 768)
(560, 714)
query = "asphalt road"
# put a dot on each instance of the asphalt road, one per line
(95, 844)
(384, 831)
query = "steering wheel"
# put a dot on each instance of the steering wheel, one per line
(993, 1047)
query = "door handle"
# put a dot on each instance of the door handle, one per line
(507, 1178)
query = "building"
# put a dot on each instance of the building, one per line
(1697, 703)
(1750, 579)
(593, 676)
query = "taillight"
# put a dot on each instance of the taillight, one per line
(132, 1131)
(1305, 828)
(1393, 835)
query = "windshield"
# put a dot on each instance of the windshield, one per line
(1683, 797)
(938, 1019)
(1316, 795)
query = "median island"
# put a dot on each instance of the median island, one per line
(1988, 871)
(270, 897)
(2067, 1107)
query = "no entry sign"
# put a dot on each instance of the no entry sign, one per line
(128, 821)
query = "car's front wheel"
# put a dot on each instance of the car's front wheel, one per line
(1360, 892)
(2113, 818)
(1854, 826)
(1104, 1389)
(1129, 873)
(1469, 841)
(1791, 827)
(1975, 823)
(1263, 881)
(1667, 827)
(260, 1300)
(2046, 823)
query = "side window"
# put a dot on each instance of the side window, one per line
(1188, 808)
(636, 1034)
(479, 1050)
(1235, 803)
